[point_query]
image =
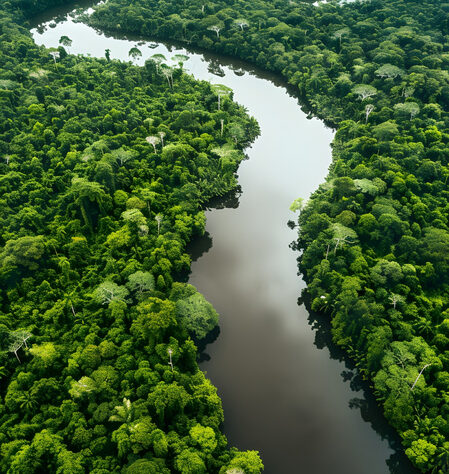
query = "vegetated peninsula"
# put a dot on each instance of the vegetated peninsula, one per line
(374, 236)
(104, 170)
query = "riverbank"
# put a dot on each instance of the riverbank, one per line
(250, 276)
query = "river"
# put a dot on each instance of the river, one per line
(286, 390)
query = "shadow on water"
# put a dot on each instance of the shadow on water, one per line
(364, 402)
(216, 62)
(197, 247)
(230, 200)
(201, 245)
(243, 412)
(203, 356)
(60, 13)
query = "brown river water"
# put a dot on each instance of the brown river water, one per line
(287, 391)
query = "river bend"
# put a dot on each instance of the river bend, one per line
(284, 391)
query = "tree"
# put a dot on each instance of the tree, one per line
(421, 452)
(180, 59)
(22, 335)
(419, 375)
(385, 131)
(389, 71)
(46, 352)
(197, 315)
(65, 41)
(395, 299)
(168, 401)
(108, 292)
(167, 72)
(156, 316)
(340, 33)
(204, 436)
(297, 205)
(135, 53)
(83, 191)
(141, 282)
(368, 110)
(28, 402)
(248, 461)
(342, 235)
(236, 131)
(149, 197)
(55, 55)
(241, 23)
(221, 91)
(363, 91)
(152, 140)
(158, 219)
(410, 109)
(84, 385)
(122, 156)
(189, 462)
(170, 354)
(45, 450)
(216, 29)
(25, 251)
(135, 218)
(158, 59)
(15, 346)
(124, 413)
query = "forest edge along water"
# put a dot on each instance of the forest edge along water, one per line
(305, 410)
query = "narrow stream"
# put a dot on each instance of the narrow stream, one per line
(302, 408)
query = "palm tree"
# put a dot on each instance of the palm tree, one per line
(443, 460)
(68, 300)
(424, 327)
(64, 265)
(3, 371)
(27, 402)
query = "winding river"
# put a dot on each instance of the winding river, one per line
(286, 390)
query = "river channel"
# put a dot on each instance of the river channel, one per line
(286, 391)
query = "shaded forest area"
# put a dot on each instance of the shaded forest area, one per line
(374, 237)
(104, 170)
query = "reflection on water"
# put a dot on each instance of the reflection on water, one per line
(228, 201)
(306, 410)
(365, 402)
(199, 246)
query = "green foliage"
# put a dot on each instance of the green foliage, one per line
(373, 239)
(94, 226)
(197, 315)
(387, 187)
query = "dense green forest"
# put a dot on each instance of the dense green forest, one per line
(374, 237)
(104, 169)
